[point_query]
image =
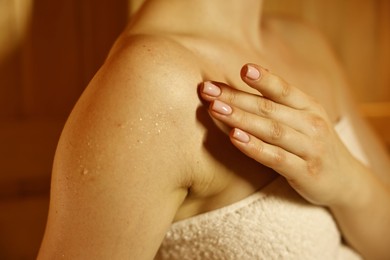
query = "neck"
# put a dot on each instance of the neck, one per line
(233, 19)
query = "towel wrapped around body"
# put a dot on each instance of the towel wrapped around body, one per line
(273, 223)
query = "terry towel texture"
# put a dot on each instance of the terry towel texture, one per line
(273, 223)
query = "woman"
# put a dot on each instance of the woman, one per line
(140, 150)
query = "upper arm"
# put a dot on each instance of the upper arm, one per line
(119, 174)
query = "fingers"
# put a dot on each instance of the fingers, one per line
(268, 130)
(250, 103)
(274, 87)
(280, 118)
(281, 128)
(287, 164)
(278, 100)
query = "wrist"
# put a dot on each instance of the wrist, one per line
(357, 191)
(363, 215)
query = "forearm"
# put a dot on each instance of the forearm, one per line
(365, 219)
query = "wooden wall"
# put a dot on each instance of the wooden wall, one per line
(49, 50)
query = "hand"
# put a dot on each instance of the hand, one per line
(288, 131)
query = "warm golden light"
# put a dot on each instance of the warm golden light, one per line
(15, 16)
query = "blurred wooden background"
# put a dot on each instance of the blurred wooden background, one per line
(49, 50)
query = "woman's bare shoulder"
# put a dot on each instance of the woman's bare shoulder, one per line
(146, 86)
(157, 52)
(155, 67)
(123, 154)
(157, 75)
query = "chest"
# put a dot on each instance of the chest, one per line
(226, 175)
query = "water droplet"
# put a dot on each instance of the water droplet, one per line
(140, 119)
(85, 172)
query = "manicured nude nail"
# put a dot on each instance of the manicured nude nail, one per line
(252, 73)
(240, 135)
(222, 108)
(211, 89)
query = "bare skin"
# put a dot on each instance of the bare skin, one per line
(290, 132)
(140, 149)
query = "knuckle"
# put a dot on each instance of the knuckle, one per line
(286, 89)
(257, 149)
(314, 166)
(318, 125)
(278, 157)
(276, 130)
(271, 157)
(265, 106)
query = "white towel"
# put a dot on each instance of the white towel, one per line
(273, 223)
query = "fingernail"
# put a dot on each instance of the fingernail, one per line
(252, 73)
(240, 135)
(211, 89)
(220, 107)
